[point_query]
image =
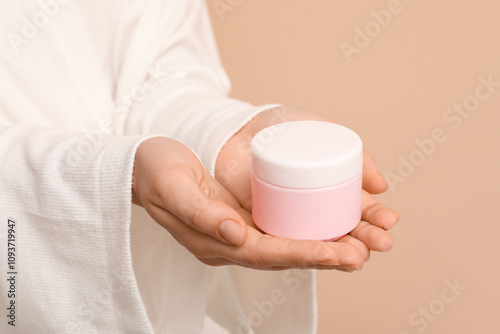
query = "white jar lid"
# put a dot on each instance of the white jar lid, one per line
(306, 154)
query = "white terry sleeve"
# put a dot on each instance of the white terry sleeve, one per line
(68, 199)
(185, 95)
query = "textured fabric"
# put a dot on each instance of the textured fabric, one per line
(83, 83)
(72, 241)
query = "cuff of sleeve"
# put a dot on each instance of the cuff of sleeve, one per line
(191, 114)
(115, 173)
(223, 125)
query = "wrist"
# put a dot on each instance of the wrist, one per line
(279, 115)
(135, 197)
(139, 156)
(238, 146)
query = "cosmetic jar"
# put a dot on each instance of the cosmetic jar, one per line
(306, 180)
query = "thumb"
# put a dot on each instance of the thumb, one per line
(373, 181)
(207, 207)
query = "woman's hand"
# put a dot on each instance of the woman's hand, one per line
(174, 188)
(180, 195)
(233, 166)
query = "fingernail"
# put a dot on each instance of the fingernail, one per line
(232, 232)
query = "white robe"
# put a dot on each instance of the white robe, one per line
(82, 83)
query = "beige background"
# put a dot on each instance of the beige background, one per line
(395, 91)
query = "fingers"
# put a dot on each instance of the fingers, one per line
(375, 218)
(358, 244)
(203, 206)
(373, 237)
(376, 213)
(373, 181)
(267, 252)
(233, 166)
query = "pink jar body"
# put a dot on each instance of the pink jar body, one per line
(326, 213)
